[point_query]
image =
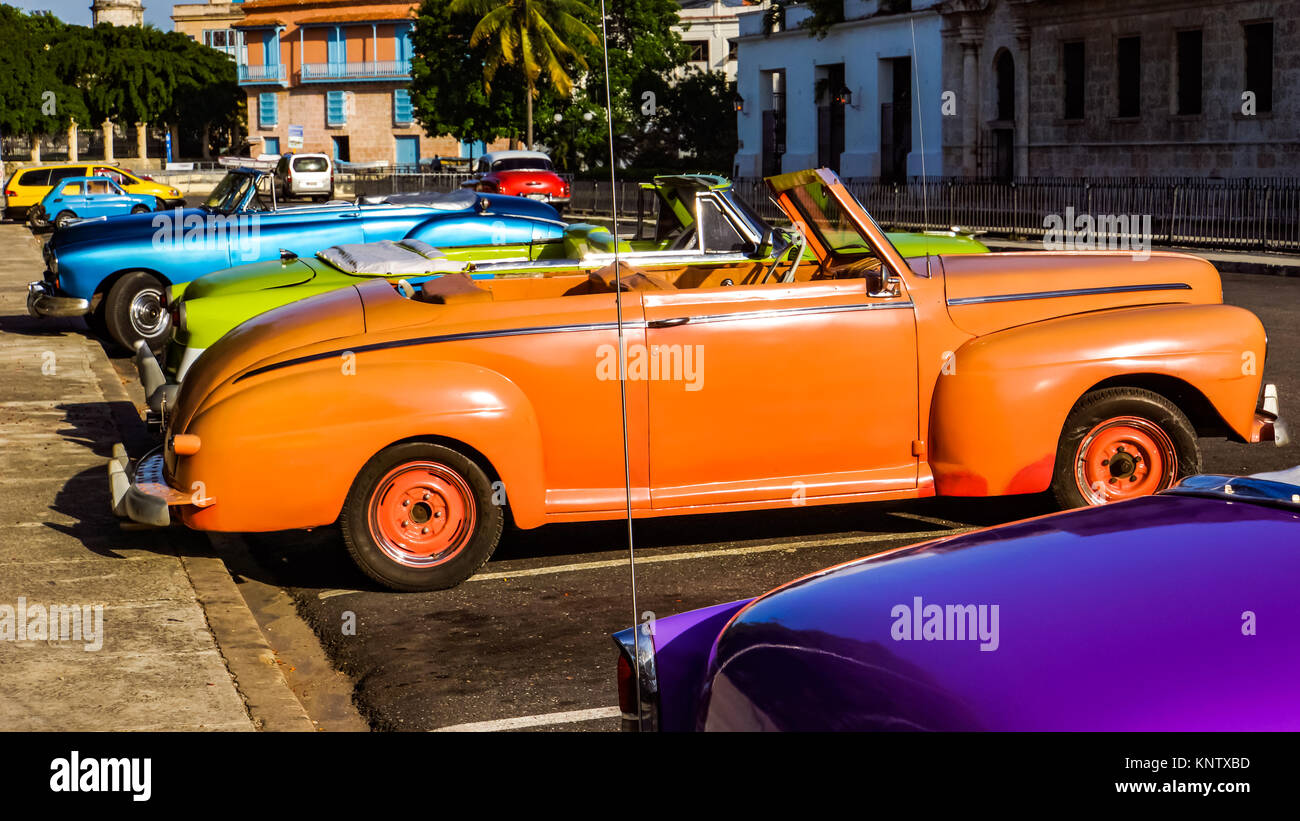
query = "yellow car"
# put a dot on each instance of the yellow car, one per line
(28, 186)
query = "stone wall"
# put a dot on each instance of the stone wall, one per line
(1220, 141)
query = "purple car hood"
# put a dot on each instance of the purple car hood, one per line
(1173, 612)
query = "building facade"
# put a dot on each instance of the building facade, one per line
(213, 24)
(117, 12)
(1110, 88)
(848, 101)
(709, 28)
(332, 76)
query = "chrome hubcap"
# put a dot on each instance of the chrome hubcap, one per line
(147, 315)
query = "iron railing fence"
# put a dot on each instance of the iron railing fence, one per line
(1237, 214)
(1256, 214)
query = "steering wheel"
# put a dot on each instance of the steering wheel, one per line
(406, 289)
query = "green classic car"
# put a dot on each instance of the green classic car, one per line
(702, 225)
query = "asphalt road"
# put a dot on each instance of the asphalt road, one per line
(525, 643)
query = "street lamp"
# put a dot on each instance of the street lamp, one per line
(739, 101)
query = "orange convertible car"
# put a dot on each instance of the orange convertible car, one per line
(419, 420)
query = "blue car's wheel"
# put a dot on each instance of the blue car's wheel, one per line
(135, 311)
(140, 209)
(63, 218)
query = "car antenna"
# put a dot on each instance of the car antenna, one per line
(622, 374)
(920, 127)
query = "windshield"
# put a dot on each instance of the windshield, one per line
(522, 164)
(230, 192)
(834, 229)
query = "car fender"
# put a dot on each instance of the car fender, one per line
(303, 438)
(1001, 400)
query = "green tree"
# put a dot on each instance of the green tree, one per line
(448, 94)
(533, 36)
(34, 99)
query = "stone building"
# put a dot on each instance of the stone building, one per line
(117, 12)
(1091, 88)
(333, 76)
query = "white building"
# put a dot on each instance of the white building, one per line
(845, 101)
(710, 28)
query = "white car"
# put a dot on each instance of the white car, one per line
(305, 175)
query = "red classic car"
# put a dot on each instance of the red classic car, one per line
(521, 174)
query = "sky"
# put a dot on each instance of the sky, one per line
(77, 12)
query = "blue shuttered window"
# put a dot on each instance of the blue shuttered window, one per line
(335, 108)
(266, 110)
(402, 107)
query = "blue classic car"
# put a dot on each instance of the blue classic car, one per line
(1136, 616)
(116, 272)
(80, 198)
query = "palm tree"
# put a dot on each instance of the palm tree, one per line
(531, 34)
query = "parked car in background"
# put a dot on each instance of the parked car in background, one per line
(1138, 616)
(213, 304)
(79, 198)
(859, 377)
(28, 186)
(116, 272)
(305, 175)
(522, 174)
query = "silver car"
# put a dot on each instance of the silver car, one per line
(305, 175)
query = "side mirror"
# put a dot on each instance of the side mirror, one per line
(882, 283)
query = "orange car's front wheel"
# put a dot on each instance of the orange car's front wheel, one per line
(421, 516)
(1122, 443)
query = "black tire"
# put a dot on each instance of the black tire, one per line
(134, 310)
(63, 218)
(139, 209)
(425, 469)
(1111, 412)
(36, 220)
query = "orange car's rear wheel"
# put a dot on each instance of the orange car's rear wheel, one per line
(421, 516)
(1122, 443)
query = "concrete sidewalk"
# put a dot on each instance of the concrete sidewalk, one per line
(159, 667)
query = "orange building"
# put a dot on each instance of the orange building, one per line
(332, 76)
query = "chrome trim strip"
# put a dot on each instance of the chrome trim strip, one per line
(431, 340)
(775, 312)
(551, 329)
(1112, 289)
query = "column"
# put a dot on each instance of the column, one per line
(1022, 99)
(108, 140)
(72, 141)
(141, 144)
(36, 148)
(969, 102)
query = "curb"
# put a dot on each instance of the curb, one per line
(250, 661)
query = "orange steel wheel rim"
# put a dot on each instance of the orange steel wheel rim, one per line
(1124, 458)
(422, 514)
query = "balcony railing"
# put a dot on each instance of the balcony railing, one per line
(256, 75)
(356, 70)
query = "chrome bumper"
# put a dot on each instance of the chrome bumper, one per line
(161, 393)
(42, 301)
(1269, 425)
(146, 498)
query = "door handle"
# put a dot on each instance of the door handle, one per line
(668, 323)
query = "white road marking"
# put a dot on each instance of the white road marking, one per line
(520, 722)
(919, 535)
(329, 594)
(930, 520)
